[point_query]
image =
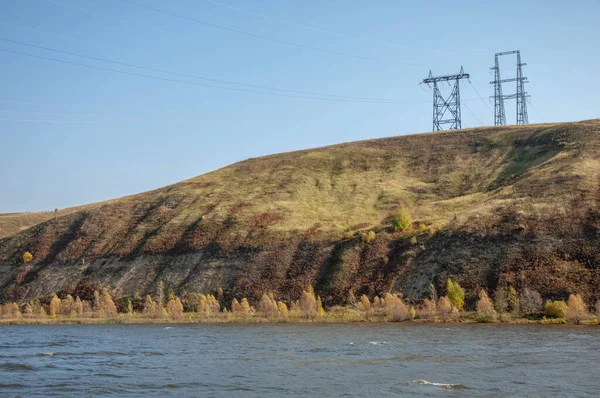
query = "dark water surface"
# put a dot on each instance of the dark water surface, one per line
(311, 360)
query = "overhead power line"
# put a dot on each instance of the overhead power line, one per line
(53, 34)
(480, 97)
(196, 76)
(257, 36)
(46, 113)
(50, 121)
(332, 33)
(474, 115)
(192, 83)
(80, 9)
(105, 108)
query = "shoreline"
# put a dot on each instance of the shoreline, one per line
(133, 320)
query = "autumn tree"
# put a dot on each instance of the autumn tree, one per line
(433, 295)
(512, 298)
(175, 308)
(427, 311)
(151, 308)
(54, 307)
(555, 309)
(268, 305)
(10, 311)
(485, 308)
(129, 306)
(501, 298)
(78, 307)
(395, 309)
(531, 301)
(455, 294)
(236, 308)
(308, 303)
(27, 257)
(107, 306)
(365, 306)
(28, 310)
(67, 307)
(576, 309)
(282, 309)
(444, 308)
(245, 306)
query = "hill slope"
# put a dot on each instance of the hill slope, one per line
(515, 204)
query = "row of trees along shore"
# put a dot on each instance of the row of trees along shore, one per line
(507, 305)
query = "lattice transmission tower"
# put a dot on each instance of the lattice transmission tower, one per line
(450, 105)
(521, 95)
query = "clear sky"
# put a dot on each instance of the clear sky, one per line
(72, 135)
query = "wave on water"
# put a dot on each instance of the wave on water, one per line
(15, 367)
(441, 385)
(45, 354)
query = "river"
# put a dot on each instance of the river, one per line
(273, 360)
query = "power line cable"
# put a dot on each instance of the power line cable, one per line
(242, 32)
(480, 97)
(46, 113)
(53, 34)
(80, 9)
(475, 116)
(97, 121)
(535, 110)
(105, 108)
(193, 83)
(315, 29)
(195, 76)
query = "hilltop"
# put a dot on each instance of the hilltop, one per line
(514, 204)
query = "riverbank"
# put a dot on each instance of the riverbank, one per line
(140, 319)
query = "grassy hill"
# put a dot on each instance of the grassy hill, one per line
(513, 204)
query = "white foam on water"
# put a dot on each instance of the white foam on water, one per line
(441, 385)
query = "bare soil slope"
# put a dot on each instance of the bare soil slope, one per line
(516, 204)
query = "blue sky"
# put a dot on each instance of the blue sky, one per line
(73, 135)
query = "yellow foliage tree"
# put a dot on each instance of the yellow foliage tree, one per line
(308, 303)
(282, 309)
(268, 306)
(485, 308)
(107, 306)
(27, 257)
(54, 306)
(576, 309)
(175, 308)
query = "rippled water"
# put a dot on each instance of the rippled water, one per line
(310, 360)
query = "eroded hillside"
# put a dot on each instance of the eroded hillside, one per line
(516, 204)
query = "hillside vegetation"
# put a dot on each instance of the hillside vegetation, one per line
(489, 206)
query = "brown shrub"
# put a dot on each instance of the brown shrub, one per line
(531, 301)
(365, 306)
(427, 310)
(444, 308)
(395, 309)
